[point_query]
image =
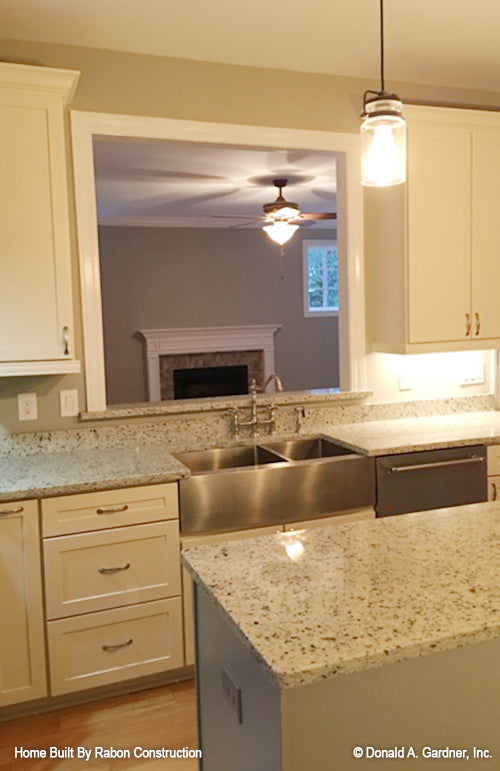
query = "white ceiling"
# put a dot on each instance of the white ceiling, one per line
(448, 42)
(180, 184)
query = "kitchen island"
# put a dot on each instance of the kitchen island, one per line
(381, 634)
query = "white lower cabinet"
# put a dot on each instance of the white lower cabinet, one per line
(113, 588)
(22, 649)
(114, 645)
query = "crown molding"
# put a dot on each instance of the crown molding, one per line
(48, 80)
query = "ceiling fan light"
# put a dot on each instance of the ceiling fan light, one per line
(280, 231)
(383, 143)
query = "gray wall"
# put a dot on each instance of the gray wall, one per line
(179, 277)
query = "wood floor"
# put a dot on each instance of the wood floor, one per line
(159, 717)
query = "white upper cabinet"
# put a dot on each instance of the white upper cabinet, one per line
(433, 245)
(486, 234)
(36, 309)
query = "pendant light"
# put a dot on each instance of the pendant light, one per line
(383, 132)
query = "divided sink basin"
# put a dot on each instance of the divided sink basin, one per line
(271, 483)
(227, 458)
(306, 449)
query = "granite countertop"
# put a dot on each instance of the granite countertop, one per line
(386, 437)
(339, 599)
(79, 471)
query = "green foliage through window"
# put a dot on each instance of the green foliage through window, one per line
(323, 279)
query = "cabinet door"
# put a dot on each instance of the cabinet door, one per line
(486, 233)
(439, 232)
(22, 652)
(35, 291)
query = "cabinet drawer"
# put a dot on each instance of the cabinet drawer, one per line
(112, 508)
(493, 454)
(114, 645)
(95, 571)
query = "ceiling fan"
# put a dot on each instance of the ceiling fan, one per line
(281, 218)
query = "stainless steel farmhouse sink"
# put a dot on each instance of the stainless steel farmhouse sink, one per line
(244, 487)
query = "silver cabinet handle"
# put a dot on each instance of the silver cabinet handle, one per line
(112, 509)
(16, 510)
(493, 491)
(116, 646)
(117, 569)
(467, 324)
(438, 464)
(66, 341)
(478, 323)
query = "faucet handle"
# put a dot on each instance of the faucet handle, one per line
(235, 421)
(300, 414)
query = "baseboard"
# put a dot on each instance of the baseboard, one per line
(50, 703)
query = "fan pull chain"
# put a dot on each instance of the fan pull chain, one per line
(282, 263)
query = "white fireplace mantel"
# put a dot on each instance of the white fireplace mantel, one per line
(166, 342)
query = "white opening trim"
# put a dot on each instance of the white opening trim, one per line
(86, 125)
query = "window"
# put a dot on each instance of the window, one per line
(321, 280)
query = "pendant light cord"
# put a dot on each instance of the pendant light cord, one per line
(382, 76)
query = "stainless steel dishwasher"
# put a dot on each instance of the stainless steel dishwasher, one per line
(434, 479)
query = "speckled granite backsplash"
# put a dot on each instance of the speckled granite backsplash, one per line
(213, 429)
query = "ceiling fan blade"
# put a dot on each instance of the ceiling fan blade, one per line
(235, 217)
(320, 215)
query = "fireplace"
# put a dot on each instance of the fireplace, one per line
(210, 381)
(227, 348)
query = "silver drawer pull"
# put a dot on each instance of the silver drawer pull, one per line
(116, 569)
(113, 509)
(117, 646)
(6, 512)
(438, 464)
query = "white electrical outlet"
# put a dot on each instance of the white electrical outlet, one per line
(68, 402)
(475, 375)
(27, 407)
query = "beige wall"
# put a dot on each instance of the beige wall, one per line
(138, 84)
(156, 278)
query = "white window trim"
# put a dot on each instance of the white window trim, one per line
(305, 278)
(85, 125)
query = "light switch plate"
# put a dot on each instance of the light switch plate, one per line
(68, 402)
(27, 407)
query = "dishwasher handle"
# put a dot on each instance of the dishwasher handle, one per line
(436, 464)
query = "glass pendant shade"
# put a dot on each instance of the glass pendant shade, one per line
(383, 143)
(280, 231)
